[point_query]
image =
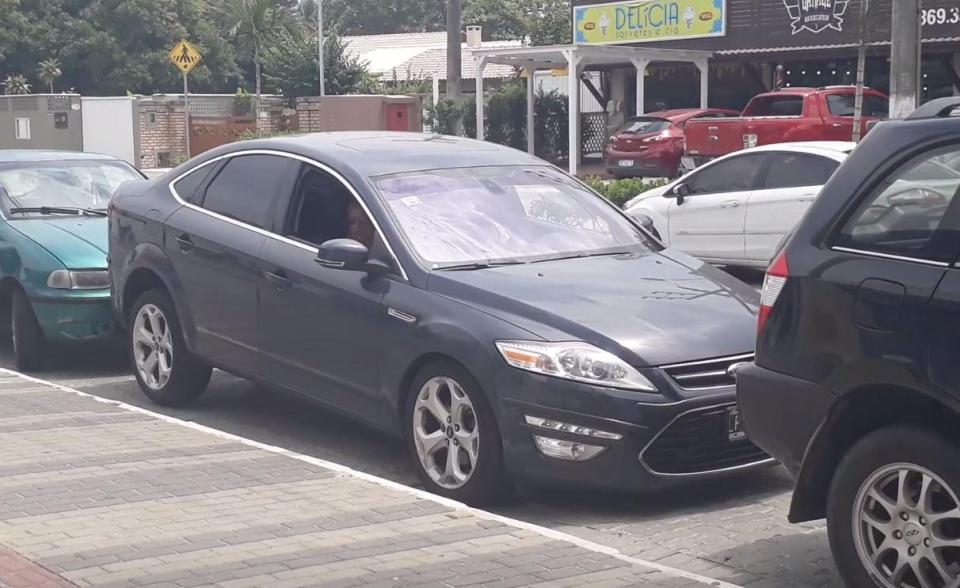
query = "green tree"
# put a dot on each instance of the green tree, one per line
(254, 23)
(376, 17)
(16, 84)
(49, 71)
(500, 19)
(548, 22)
(114, 46)
(291, 65)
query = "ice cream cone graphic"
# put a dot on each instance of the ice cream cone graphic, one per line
(604, 24)
(689, 15)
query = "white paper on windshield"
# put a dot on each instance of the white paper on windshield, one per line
(411, 201)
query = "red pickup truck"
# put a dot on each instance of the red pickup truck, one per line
(785, 115)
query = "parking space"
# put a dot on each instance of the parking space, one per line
(735, 529)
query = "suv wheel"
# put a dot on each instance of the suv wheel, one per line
(453, 436)
(893, 511)
(166, 371)
(27, 337)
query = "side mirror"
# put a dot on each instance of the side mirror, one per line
(345, 254)
(680, 192)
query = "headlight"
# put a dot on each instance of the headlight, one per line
(581, 362)
(79, 280)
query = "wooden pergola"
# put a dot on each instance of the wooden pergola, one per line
(576, 59)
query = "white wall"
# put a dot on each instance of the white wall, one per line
(108, 127)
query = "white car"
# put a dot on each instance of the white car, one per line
(736, 209)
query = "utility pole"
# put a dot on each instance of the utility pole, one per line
(454, 61)
(861, 70)
(904, 57)
(323, 88)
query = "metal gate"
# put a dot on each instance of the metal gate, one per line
(207, 133)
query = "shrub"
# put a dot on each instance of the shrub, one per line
(620, 191)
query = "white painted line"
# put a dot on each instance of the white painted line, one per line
(396, 486)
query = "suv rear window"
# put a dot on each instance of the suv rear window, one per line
(775, 106)
(906, 212)
(873, 106)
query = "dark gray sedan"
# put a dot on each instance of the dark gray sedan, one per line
(482, 305)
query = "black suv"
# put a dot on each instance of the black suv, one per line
(856, 383)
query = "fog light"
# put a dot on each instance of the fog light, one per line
(567, 450)
(570, 428)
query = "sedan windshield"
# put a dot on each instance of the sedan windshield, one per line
(59, 187)
(489, 215)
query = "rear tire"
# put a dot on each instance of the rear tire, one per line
(27, 337)
(165, 369)
(475, 475)
(869, 517)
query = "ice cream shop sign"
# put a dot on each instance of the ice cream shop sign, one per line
(639, 21)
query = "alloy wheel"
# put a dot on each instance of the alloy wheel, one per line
(906, 525)
(445, 432)
(152, 346)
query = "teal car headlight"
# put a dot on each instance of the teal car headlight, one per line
(79, 280)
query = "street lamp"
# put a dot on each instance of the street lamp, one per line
(323, 91)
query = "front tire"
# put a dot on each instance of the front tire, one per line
(893, 512)
(165, 369)
(27, 337)
(453, 436)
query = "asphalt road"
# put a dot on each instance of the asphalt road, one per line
(734, 530)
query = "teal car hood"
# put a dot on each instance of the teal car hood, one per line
(79, 243)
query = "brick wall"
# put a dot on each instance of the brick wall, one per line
(162, 128)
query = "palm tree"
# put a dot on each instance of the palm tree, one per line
(48, 71)
(254, 22)
(16, 84)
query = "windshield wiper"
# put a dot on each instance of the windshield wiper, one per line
(580, 255)
(477, 265)
(57, 210)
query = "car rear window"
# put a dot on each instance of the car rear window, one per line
(775, 106)
(188, 187)
(908, 213)
(843, 105)
(637, 126)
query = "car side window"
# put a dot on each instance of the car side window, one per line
(732, 175)
(248, 186)
(188, 187)
(323, 208)
(792, 170)
(913, 213)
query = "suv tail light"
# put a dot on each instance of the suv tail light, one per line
(773, 283)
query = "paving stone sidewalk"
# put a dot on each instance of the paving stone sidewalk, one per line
(95, 494)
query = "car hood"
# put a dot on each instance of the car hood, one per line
(651, 193)
(79, 243)
(651, 309)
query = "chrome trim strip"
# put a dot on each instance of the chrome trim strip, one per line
(652, 471)
(697, 375)
(407, 318)
(706, 361)
(890, 256)
(270, 234)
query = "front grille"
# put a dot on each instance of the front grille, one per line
(709, 373)
(698, 442)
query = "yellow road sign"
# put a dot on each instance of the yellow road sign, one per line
(185, 56)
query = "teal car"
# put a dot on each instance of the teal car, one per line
(54, 285)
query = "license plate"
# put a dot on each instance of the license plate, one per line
(625, 163)
(735, 430)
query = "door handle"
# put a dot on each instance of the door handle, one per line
(836, 125)
(185, 242)
(279, 279)
(730, 204)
